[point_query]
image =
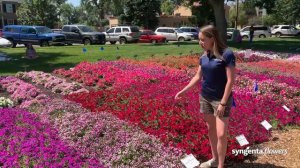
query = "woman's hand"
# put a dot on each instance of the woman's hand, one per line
(220, 110)
(178, 95)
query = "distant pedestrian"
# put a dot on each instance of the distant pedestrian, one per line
(251, 33)
(30, 52)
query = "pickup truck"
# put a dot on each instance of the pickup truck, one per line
(41, 35)
(82, 34)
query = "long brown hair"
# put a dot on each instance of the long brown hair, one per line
(210, 31)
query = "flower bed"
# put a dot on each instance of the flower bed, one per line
(27, 142)
(103, 135)
(21, 92)
(55, 84)
(148, 101)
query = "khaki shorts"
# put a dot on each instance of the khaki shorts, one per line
(208, 106)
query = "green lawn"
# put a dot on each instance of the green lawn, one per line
(54, 57)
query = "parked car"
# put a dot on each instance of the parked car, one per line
(148, 36)
(192, 30)
(286, 30)
(259, 31)
(229, 32)
(56, 30)
(123, 34)
(173, 34)
(82, 34)
(4, 42)
(41, 35)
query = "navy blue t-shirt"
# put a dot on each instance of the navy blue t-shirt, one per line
(214, 74)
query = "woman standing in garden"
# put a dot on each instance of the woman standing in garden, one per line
(217, 69)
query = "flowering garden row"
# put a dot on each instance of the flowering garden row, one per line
(148, 101)
(101, 136)
(56, 84)
(27, 142)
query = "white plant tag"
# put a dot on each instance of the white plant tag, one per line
(286, 108)
(190, 161)
(266, 125)
(242, 140)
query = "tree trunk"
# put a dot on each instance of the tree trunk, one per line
(219, 11)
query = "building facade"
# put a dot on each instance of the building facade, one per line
(8, 10)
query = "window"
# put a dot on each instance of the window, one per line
(160, 30)
(261, 28)
(185, 30)
(111, 30)
(9, 8)
(74, 29)
(125, 30)
(194, 30)
(171, 31)
(118, 30)
(246, 29)
(10, 29)
(66, 29)
(285, 27)
(31, 31)
(24, 30)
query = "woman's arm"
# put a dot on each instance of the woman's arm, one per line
(230, 72)
(192, 83)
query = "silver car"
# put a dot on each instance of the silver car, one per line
(173, 34)
(259, 31)
(123, 34)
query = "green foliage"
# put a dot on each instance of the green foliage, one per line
(204, 13)
(267, 4)
(69, 14)
(142, 13)
(38, 12)
(167, 7)
(95, 11)
(242, 18)
(270, 20)
(287, 11)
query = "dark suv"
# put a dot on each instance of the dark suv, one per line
(82, 34)
(22, 34)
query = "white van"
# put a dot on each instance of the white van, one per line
(173, 34)
(259, 31)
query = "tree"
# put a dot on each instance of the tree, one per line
(39, 12)
(270, 20)
(219, 13)
(69, 14)
(204, 13)
(242, 18)
(142, 13)
(95, 10)
(287, 11)
(167, 7)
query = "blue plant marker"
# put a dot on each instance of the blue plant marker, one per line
(255, 86)
(117, 48)
(102, 48)
(233, 102)
(84, 50)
